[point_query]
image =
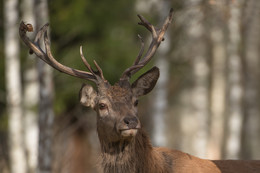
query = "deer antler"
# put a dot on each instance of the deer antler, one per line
(95, 76)
(98, 74)
(157, 38)
(47, 56)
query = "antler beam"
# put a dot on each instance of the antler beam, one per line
(95, 76)
(48, 57)
(157, 38)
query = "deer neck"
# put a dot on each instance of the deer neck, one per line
(133, 155)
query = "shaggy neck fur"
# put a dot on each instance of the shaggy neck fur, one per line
(130, 156)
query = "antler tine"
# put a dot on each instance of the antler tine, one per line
(34, 48)
(85, 61)
(99, 73)
(99, 70)
(147, 25)
(157, 38)
(157, 35)
(141, 50)
(47, 56)
(38, 35)
(168, 20)
(127, 72)
(62, 68)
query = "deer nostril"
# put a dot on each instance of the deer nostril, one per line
(131, 122)
(126, 120)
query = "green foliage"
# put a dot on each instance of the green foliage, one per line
(106, 30)
(108, 33)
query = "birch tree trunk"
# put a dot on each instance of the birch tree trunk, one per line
(31, 96)
(160, 102)
(251, 40)
(235, 90)
(218, 79)
(195, 114)
(13, 87)
(46, 114)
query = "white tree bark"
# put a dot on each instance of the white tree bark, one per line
(217, 95)
(251, 25)
(31, 96)
(235, 94)
(160, 102)
(218, 78)
(46, 114)
(13, 87)
(195, 114)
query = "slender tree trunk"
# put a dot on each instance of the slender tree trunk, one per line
(218, 89)
(235, 90)
(13, 87)
(217, 95)
(251, 40)
(46, 115)
(194, 118)
(160, 102)
(31, 97)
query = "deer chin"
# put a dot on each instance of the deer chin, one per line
(128, 133)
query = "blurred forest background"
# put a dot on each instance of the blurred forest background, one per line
(206, 101)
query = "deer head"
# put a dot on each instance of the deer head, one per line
(116, 105)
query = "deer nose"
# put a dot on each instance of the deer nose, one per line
(131, 122)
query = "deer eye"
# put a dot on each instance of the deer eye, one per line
(102, 106)
(136, 103)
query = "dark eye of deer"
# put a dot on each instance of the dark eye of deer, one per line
(136, 103)
(102, 106)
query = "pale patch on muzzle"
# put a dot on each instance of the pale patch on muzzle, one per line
(129, 133)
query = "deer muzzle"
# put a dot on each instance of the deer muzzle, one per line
(130, 126)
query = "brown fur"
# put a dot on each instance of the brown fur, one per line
(131, 156)
(138, 156)
(134, 153)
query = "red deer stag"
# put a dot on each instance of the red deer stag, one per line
(125, 147)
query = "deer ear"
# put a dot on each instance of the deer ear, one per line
(87, 96)
(145, 83)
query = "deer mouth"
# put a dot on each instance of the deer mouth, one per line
(129, 132)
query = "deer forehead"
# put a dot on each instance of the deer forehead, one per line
(118, 98)
(119, 94)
